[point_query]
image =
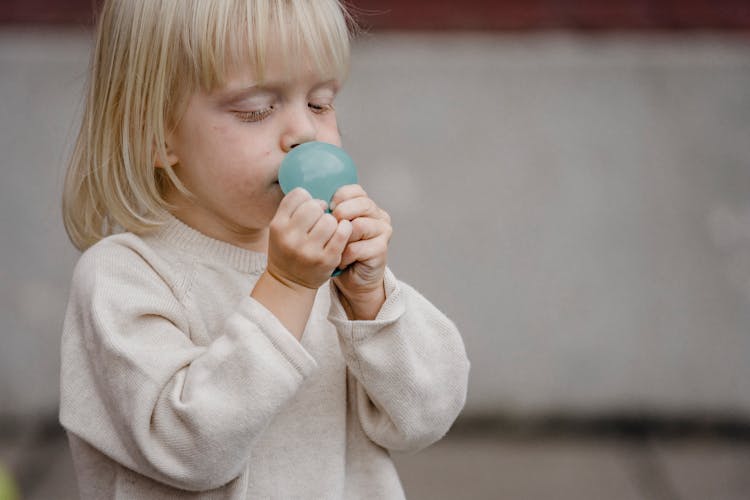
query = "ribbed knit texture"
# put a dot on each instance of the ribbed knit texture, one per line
(175, 383)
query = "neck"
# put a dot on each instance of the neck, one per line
(218, 227)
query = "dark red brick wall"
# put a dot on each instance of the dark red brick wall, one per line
(47, 11)
(471, 14)
(554, 14)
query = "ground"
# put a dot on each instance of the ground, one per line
(485, 464)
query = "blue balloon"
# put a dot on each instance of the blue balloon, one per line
(319, 167)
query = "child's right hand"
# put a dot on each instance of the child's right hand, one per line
(305, 243)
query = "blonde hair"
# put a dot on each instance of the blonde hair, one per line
(149, 56)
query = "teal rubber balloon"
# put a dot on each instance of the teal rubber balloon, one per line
(320, 168)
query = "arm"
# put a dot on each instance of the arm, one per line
(410, 366)
(305, 245)
(135, 387)
(407, 358)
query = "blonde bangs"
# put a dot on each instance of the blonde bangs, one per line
(226, 36)
(149, 56)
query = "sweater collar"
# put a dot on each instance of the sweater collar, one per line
(184, 238)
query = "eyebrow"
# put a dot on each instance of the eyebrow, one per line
(241, 93)
(228, 97)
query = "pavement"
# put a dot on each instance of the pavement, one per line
(483, 464)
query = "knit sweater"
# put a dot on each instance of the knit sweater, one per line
(175, 383)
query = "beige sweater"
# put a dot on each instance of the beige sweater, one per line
(177, 384)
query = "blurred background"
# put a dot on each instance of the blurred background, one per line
(569, 181)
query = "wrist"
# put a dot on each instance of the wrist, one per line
(289, 302)
(279, 280)
(362, 305)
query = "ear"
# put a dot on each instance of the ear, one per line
(171, 158)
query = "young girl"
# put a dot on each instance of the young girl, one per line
(206, 352)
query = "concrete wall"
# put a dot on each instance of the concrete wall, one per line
(579, 205)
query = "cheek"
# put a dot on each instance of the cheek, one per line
(226, 157)
(330, 136)
(246, 172)
(328, 130)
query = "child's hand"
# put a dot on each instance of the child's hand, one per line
(362, 284)
(305, 243)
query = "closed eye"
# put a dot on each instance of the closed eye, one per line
(253, 116)
(320, 108)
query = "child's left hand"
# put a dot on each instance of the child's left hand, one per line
(361, 286)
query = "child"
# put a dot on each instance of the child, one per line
(206, 352)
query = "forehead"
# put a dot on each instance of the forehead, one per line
(279, 71)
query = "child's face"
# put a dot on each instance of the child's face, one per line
(229, 144)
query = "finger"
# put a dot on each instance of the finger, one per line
(373, 251)
(337, 242)
(323, 229)
(307, 214)
(356, 207)
(345, 193)
(365, 228)
(291, 201)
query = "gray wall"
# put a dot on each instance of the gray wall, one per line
(579, 205)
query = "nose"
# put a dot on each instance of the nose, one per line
(300, 127)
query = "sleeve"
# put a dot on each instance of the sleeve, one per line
(135, 387)
(410, 368)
